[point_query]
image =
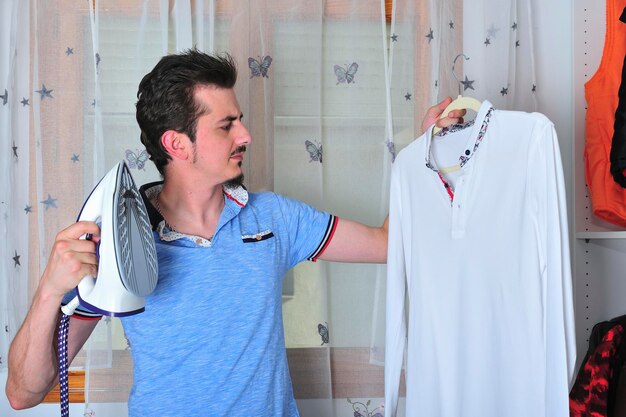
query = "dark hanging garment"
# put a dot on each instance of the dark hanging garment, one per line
(618, 144)
(595, 388)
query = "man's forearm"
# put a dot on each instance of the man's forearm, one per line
(32, 357)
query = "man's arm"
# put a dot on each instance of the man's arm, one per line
(356, 242)
(33, 360)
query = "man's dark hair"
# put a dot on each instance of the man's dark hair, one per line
(166, 101)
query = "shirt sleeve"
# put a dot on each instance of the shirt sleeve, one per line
(310, 230)
(560, 343)
(395, 327)
(81, 312)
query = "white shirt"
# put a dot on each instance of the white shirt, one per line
(490, 330)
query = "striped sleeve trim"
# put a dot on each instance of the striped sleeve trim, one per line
(328, 236)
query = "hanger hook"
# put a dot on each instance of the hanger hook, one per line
(458, 82)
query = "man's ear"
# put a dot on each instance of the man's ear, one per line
(176, 144)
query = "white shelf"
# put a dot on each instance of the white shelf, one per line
(601, 235)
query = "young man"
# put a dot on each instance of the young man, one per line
(211, 339)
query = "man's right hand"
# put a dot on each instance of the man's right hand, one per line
(32, 356)
(71, 259)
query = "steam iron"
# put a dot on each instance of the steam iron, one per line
(127, 260)
(127, 267)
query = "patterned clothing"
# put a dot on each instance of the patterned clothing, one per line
(595, 389)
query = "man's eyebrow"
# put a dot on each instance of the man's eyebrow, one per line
(231, 118)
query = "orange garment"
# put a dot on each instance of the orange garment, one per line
(608, 199)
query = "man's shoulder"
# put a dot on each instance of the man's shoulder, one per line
(266, 197)
(270, 198)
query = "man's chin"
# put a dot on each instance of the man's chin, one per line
(235, 182)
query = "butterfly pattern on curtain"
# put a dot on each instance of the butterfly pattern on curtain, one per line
(137, 159)
(345, 74)
(259, 68)
(363, 409)
(315, 151)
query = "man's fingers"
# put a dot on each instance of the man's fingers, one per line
(87, 258)
(74, 245)
(448, 121)
(79, 229)
(457, 114)
(436, 110)
(441, 106)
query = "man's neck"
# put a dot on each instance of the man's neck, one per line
(193, 210)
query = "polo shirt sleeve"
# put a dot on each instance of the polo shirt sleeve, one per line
(309, 230)
(80, 312)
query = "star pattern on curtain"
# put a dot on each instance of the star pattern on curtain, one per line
(430, 35)
(16, 260)
(492, 31)
(25, 102)
(5, 97)
(49, 202)
(44, 92)
(495, 33)
(468, 84)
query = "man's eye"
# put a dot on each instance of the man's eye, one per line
(227, 127)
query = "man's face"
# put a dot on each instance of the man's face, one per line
(221, 137)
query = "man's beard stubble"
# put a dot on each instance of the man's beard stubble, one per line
(234, 182)
(238, 180)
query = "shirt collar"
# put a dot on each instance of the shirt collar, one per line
(236, 193)
(479, 128)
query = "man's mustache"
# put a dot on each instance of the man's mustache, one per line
(240, 149)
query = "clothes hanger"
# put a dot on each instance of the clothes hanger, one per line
(461, 102)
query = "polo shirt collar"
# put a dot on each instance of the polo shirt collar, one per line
(236, 197)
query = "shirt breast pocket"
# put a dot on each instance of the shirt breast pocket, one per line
(257, 237)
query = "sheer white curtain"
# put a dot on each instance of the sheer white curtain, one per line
(16, 254)
(330, 90)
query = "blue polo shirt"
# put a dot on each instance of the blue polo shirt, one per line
(211, 340)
